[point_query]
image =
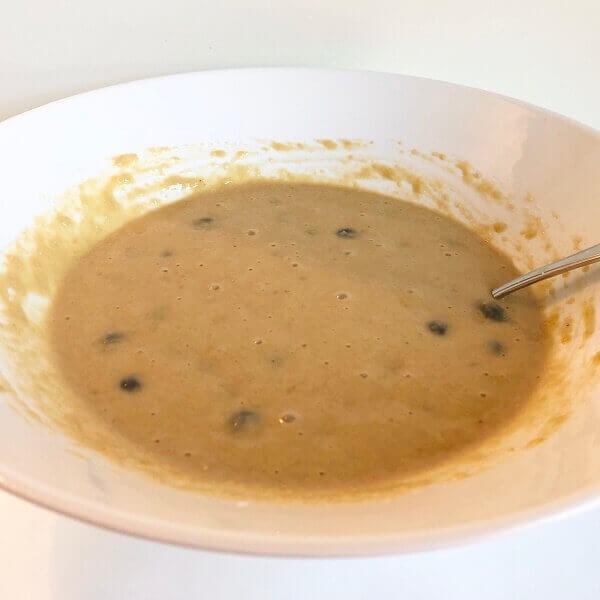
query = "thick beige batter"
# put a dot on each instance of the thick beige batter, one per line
(299, 337)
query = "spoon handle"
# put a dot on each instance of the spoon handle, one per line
(579, 259)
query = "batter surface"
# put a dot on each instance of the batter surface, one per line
(296, 336)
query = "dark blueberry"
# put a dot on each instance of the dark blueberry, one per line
(437, 327)
(346, 232)
(114, 337)
(130, 384)
(493, 311)
(496, 347)
(242, 419)
(203, 222)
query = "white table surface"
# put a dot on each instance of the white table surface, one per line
(544, 51)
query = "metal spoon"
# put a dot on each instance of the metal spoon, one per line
(579, 259)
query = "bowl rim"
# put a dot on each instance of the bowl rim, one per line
(323, 70)
(275, 545)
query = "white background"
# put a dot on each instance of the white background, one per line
(544, 51)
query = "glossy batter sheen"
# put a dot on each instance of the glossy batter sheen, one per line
(305, 337)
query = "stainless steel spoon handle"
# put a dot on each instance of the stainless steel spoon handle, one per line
(579, 259)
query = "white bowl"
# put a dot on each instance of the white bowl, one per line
(519, 148)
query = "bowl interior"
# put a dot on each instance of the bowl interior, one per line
(534, 171)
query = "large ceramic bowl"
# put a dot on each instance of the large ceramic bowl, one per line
(535, 172)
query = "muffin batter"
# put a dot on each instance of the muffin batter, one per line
(296, 336)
